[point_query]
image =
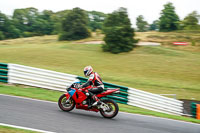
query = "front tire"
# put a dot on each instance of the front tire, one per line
(112, 111)
(66, 106)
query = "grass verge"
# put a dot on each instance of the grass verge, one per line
(6, 129)
(50, 95)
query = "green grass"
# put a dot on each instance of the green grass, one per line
(36, 93)
(160, 70)
(5, 129)
(43, 94)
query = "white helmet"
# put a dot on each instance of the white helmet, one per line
(88, 70)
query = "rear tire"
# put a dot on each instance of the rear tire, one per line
(66, 106)
(113, 109)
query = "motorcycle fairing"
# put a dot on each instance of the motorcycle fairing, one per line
(107, 92)
(72, 91)
(79, 96)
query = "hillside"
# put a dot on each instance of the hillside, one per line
(162, 69)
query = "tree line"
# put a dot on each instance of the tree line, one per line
(77, 24)
(169, 21)
(29, 22)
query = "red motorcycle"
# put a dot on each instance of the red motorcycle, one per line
(75, 97)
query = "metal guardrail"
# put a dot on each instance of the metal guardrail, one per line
(3, 72)
(195, 110)
(19, 74)
(144, 99)
(173, 95)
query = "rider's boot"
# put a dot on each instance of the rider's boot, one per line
(97, 101)
(94, 101)
(90, 100)
(89, 104)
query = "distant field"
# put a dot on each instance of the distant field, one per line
(166, 38)
(158, 69)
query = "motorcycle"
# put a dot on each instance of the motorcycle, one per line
(76, 97)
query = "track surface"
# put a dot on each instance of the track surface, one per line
(47, 116)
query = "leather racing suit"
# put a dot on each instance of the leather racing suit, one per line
(95, 81)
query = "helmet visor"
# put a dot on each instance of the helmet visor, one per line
(85, 72)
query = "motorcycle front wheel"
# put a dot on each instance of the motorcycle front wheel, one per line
(66, 105)
(109, 108)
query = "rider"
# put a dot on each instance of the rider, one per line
(95, 81)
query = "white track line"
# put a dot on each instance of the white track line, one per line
(25, 128)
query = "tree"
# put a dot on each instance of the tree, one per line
(142, 25)
(4, 23)
(74, 26)
(30, 22)
(169, 20)
(154, 25)
(96, 20)
(191, 21)
(25, 18)
(19, 19)
(118, 32)
(8, 30)
(2, 37)
(43, 24)
(48, 24)
(57, 19)
(13, 32)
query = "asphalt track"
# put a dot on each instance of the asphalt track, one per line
(47, 116)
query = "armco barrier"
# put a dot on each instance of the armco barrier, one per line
(144, 99)
(19, 74)
(195, 110)
(3, 72)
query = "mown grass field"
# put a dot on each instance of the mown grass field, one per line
(157, 69)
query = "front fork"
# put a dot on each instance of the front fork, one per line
(67, 97)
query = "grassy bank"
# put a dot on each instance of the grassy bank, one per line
(43, 94)
(160, 70)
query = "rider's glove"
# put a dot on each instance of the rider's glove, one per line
(77, 86)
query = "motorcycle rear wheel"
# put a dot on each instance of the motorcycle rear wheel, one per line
(66, 106)
(113, 109)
